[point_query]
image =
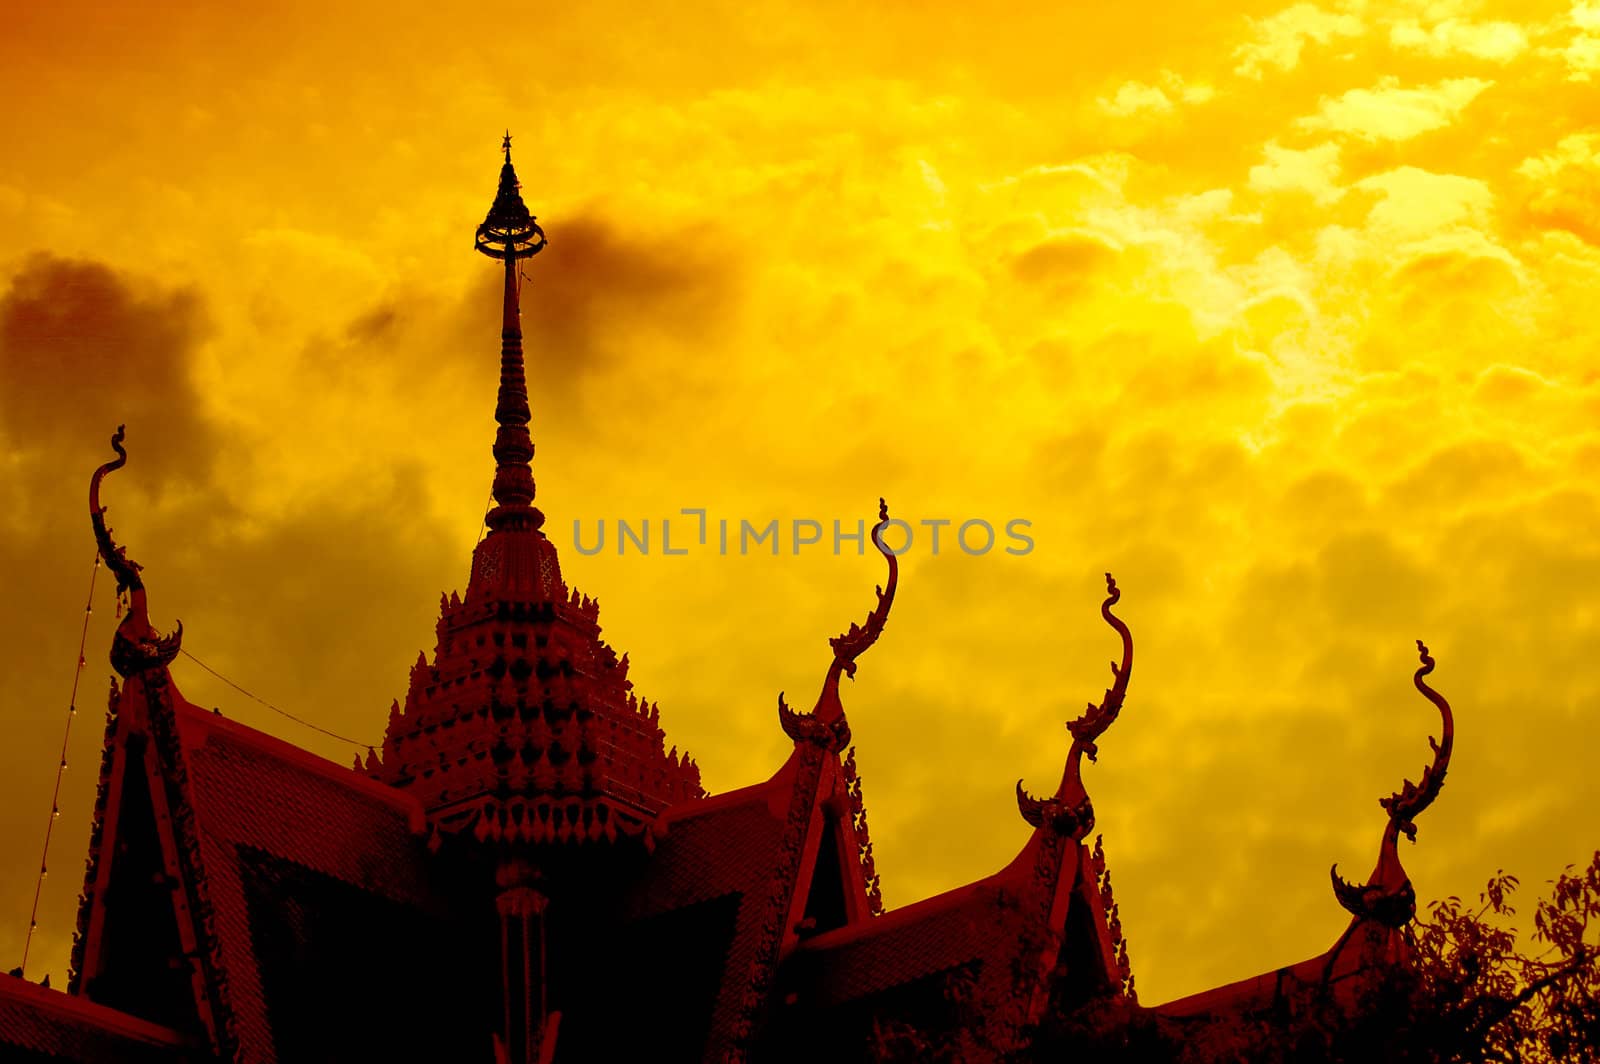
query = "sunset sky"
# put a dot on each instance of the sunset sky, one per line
(1285, 315)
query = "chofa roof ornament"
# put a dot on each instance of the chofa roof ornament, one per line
(136, 646)
(1388, 897)
(826, 724)
(1069, 811)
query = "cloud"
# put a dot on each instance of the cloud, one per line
(1136, 98)
(1069, 257)
(1564, 186)
(1389, 112)
(1510, 384)
(615, 280)
(1496, 42)
(1279, 39)
(1582, 53)
(1312, 171)
(128, 348)
(1417, 203)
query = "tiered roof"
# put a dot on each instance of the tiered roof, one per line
(525, 729)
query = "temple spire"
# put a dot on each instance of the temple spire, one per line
(509, 233)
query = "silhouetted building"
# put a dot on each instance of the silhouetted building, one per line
(527, 873)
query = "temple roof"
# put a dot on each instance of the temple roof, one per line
(250, 901)
(762, 901)
(304, 884)
(38, 1024)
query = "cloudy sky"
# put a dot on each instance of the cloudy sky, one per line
(1283, 314)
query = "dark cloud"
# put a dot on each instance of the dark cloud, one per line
(1062, 260)
(607, 282)
(322, 611)
(84, 348)
(1424, 278)
(1463, 472)
(599, 300)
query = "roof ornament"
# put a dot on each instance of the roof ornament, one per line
(826, 724)
(136, 645)
(1388, 897)
(1069, 811)
(510, 233)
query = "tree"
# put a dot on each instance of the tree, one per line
(1473, 991)
(1481, 997)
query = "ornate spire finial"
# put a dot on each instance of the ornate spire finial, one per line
(509, 233)
(1070, 811)
(1389, 896)
(829, 710)
(136, 645)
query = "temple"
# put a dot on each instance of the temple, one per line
(528, 873)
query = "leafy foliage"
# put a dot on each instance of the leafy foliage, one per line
(1473, 992)
(1483, 998)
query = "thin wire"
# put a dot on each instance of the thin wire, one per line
(55, 798)
(483, 522)
(275, 709)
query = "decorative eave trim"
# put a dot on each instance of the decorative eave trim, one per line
(107, 803)
(872, 886)
(211, 975)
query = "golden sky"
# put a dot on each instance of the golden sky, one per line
(1283, 314)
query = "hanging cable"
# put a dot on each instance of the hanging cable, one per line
(275, 709)
(483, 522)
(55, 798)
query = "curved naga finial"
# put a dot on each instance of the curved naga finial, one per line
(1070, 812)
(1389, 896)
(1413, 798)
(136, 645)
(117, 560)
(826, 723)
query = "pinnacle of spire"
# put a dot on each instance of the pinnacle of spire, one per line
(509, 233)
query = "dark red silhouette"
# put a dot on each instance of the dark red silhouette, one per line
(527, 874)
